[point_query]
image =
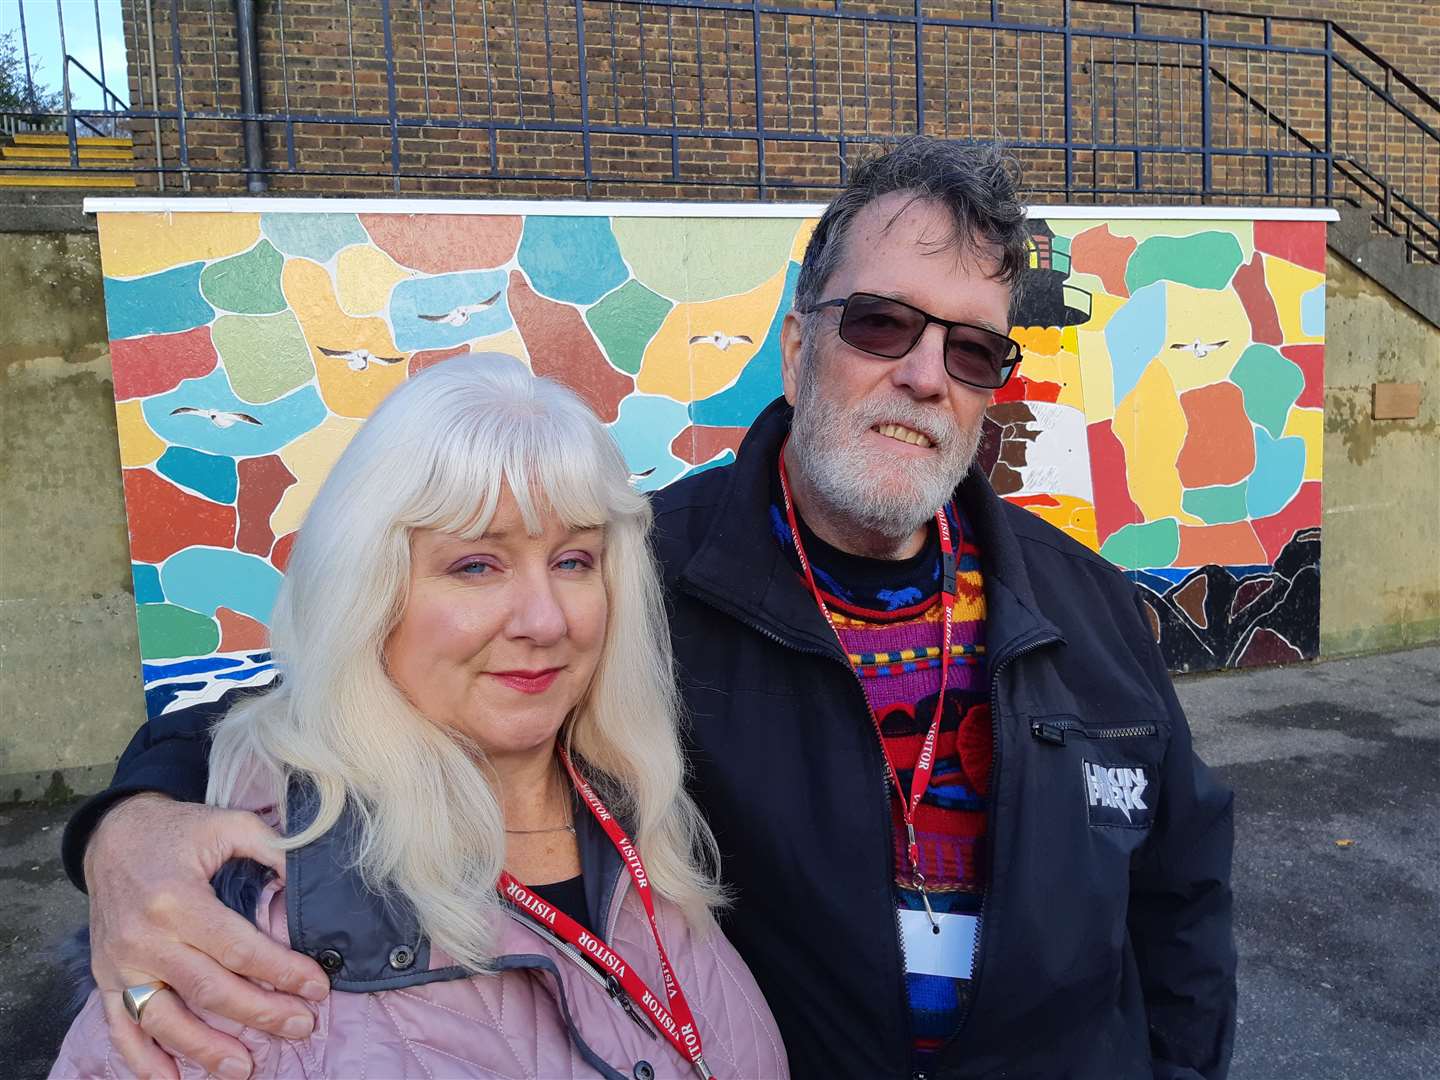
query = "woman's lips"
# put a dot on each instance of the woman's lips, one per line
(527, 682)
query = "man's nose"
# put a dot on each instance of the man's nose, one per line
(921, 372)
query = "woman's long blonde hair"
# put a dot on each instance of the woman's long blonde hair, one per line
(435, 455)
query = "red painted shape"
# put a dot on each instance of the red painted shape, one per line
(1019, 388)
(1100, 252)
(280, 554)
(1224, 545)
(240, 633)
(1259, 305)
(426, 357)
(1310, 359)
(157, 363)
(444, 243)
(164, 519)
(1301, 512)
(263, 481)
(1114, 508)
(1033, 500)
(1249, 592)
(700, 444)
(1267, 647)
(561, 346)
(1299, 242)
(1219, 446)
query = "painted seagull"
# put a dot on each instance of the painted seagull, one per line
(359, 359)
(218, 417)
(461, 315)
(1201, 349)
(721, 341)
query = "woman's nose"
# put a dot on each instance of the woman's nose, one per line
(536, 613)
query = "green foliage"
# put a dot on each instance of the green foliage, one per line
(15, 92)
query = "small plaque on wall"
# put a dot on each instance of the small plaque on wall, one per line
(1396, 401)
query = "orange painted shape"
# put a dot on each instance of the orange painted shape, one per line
(698, 444)
(444, 243)
(240, 633)
(1219, 447)
(280, 553)
(561, 346)
(1100, 252)
(164, 519)
(425, 358)
(1224, 545)
(1299, 242)
(157, 363)
(263, 481)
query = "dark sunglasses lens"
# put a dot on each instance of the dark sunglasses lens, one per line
(977, 356)
(880, 326)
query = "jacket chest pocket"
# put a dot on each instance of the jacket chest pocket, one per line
(1115, 767)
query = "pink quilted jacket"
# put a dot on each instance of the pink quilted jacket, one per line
(543, 1016)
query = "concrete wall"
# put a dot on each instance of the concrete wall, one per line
(1381, 561)
(69, 664)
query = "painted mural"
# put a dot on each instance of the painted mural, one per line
(1167, 413)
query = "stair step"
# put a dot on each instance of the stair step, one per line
(46, 138)
(22, 154)
(68, 180)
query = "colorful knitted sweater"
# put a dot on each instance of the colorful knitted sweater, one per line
(889, 620)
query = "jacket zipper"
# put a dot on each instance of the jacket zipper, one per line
(1054, 731)
(608, 983)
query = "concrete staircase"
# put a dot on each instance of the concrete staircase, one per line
(37, 150)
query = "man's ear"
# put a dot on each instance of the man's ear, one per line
(792, 345)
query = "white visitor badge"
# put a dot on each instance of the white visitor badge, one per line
(951, 952)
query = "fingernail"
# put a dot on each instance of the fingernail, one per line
(315, 990)
(234, 1069)
(297, 1027)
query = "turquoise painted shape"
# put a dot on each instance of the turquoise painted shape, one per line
(281, 421)
(759, 383)
(1206, 260)
(1312, 312)
(248, 283)
(725, 457)
(644, 430)
(1135, 335)
(1278, 473)
(1270, 383)
(203, 579)
(1135, 547)
(625, 321)
(1218, 505)
(571, 259)
(163, 303)
(210, 475)
(448, 296)
(313, 236)
(168, 630)
(147, 583)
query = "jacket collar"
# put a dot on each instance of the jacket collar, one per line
(738, 568)
(373, 940)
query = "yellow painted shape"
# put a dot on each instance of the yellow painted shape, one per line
(508, 341)
(1037, 340)
(347, 392)
(1206, 316)
(1069, 376)
(68, 180)
(1074, 516)
(802, 239)
(1151, 426)
(364, 276)
(674, 368)
(1308, 424)
(309, 459)
(1288, 283)
(135, 244)
(139, 445)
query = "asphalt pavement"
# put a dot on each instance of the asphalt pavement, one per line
(1336, 769)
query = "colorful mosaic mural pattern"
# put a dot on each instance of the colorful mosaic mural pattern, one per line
(1167, 412)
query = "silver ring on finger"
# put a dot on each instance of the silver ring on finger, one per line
(137, 997)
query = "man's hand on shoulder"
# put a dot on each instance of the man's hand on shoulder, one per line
(154, 915)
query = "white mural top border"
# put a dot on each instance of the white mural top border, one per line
(580, 208)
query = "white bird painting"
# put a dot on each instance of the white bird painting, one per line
(359, 359)
(459, 316)
(721, 340)
(219, 417)
(1201, 349)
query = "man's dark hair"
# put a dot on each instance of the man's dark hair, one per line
(976, 182)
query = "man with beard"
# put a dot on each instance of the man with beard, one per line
(960, 816)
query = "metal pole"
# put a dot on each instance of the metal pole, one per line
(255, 181)
(65, 89)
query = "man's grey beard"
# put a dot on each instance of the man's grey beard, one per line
(891, 502)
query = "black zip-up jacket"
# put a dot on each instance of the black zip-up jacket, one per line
(1106, 947)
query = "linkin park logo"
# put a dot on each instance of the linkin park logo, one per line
(1117, 796)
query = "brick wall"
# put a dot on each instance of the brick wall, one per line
(519, 59)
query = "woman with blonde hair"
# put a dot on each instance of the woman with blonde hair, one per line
(474, 762)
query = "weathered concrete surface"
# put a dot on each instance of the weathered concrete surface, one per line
(1338, 950)
(69, 661)
(1380, 574)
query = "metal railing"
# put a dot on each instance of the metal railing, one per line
(1103, 99)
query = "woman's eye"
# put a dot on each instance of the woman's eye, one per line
(575, 562)
(477, 568)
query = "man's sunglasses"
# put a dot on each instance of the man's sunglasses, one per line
(884, 327)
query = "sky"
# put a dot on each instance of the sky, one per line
(42, 30)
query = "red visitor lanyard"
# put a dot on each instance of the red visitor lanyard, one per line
(676, 1022)
(925, 765)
